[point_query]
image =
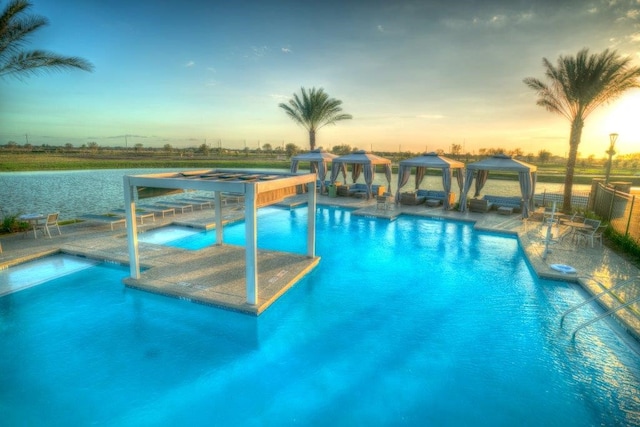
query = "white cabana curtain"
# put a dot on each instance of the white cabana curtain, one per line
(420, 172)
(404, 172)
(481, 180)
(387, 174)
(465, 190)
(528, 189)
(336, 168)
(356, 170)
(446, 184)
(460, 178)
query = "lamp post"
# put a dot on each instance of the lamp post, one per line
(612, 142)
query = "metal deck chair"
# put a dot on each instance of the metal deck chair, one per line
(51, 222)
(592, 234)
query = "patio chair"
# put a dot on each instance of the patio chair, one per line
(51, 222)
(592, 234)
(576, 217)
(385, 202)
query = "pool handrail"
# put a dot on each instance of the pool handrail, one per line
(602, 316)
(595, 297)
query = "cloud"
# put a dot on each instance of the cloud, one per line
(633, 14)
(635, 37)
(380, 28)
(259, 51)
(211, 83)
(190, 64)
(286, 50)
(213, 70)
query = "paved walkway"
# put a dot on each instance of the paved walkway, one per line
(98, 240)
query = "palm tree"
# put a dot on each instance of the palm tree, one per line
(314, 110)
(15, 27)
(577, 86)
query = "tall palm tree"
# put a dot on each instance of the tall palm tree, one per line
(314, 110)
(577, 86)
(15, 28)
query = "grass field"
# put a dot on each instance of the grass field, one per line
(39, 161)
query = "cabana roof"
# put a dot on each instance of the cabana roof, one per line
(502, 162)
(317, 155)
(432, 160)
(362, 157)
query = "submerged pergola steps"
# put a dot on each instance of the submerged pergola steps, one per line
(258, 189)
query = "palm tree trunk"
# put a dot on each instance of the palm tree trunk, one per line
(312, 139)
(574, 140)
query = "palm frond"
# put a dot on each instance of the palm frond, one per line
(15, 29)
(40, 60)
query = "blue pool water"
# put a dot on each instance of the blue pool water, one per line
(410, 322)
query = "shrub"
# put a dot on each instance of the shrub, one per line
(11, 224)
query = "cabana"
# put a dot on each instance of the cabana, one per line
(318, 160)
(361, 161)
(433, 161)
(527, 175)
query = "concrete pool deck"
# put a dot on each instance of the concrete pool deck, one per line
(215, 275)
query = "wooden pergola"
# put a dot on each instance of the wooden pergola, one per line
(258, 189)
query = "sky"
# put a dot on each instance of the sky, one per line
(416, 75)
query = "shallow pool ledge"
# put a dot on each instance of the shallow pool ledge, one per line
(216, 276)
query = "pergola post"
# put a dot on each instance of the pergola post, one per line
(251, 245)
(311, 220)
(132, 228)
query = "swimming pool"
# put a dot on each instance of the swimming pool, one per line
(410, 322)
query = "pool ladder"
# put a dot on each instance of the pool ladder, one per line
(609, 312)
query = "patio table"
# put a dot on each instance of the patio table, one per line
(34, 220)
(574, 226)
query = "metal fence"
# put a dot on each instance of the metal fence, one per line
(617, 207)
(579, 199)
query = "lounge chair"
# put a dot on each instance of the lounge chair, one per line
(109, 219)
(200, 203)
(177, 206)
(158, 210)
(140, 216)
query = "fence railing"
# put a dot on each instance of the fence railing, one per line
(618, 208)
(579, 199)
